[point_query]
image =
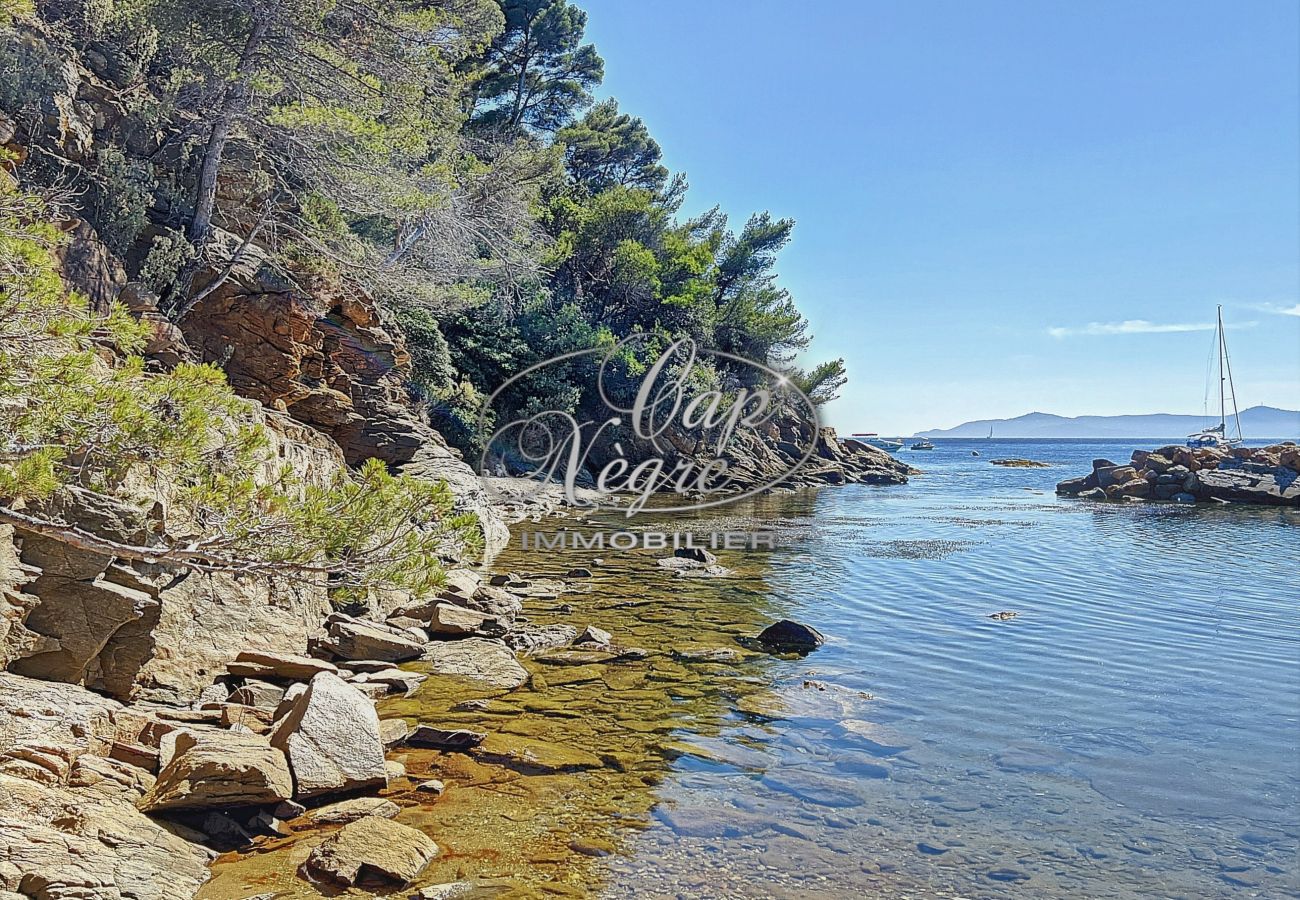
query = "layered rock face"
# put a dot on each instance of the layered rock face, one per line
(1268, 476)
(131, 630)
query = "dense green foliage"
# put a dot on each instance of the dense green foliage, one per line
(447, 156)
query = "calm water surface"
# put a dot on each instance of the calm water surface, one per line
(1131, 732)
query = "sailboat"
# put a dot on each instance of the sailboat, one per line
(1217, 435)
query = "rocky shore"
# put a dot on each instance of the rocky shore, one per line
(133, 796)
(150, 716)
(1265, 475)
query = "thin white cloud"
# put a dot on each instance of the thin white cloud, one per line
(1130, 326)
(1280, 310)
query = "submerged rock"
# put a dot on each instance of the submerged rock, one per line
(536, 638)
(444, 739)
(790, 635)
(534, 756)
(372, 846)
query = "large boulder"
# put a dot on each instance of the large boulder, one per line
(330, 733)
(217, 769)
(1276, 487)
(373, 848)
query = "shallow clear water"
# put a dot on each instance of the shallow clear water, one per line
(1132, 731)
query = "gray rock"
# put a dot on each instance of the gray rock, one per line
(593, 635)
(355, 639)
(536, 638)
(457, 621)
(255, 692)
(331, 736)
(393, 731)
(444, 739)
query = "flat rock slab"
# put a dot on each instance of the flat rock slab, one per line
(481, 659)
(264, 664)
(536, 757)
(373, 846)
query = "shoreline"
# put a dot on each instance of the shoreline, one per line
(63, 744)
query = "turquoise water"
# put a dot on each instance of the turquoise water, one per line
(1132, 732)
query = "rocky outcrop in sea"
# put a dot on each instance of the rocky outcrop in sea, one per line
(1264, 475)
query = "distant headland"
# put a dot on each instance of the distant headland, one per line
(1256, 422)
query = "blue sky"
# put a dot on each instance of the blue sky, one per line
(1002, 206)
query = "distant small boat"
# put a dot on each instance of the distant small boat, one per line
(1217, 435)
(923, 444)
(875, 440)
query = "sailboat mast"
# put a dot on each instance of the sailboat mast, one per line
(1232, 388)
(1223, 420)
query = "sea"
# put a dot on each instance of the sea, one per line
(1132, 731)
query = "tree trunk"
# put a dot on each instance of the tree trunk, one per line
(234, 101)
(206, 202)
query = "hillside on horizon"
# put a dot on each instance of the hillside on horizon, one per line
(1256, 422)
